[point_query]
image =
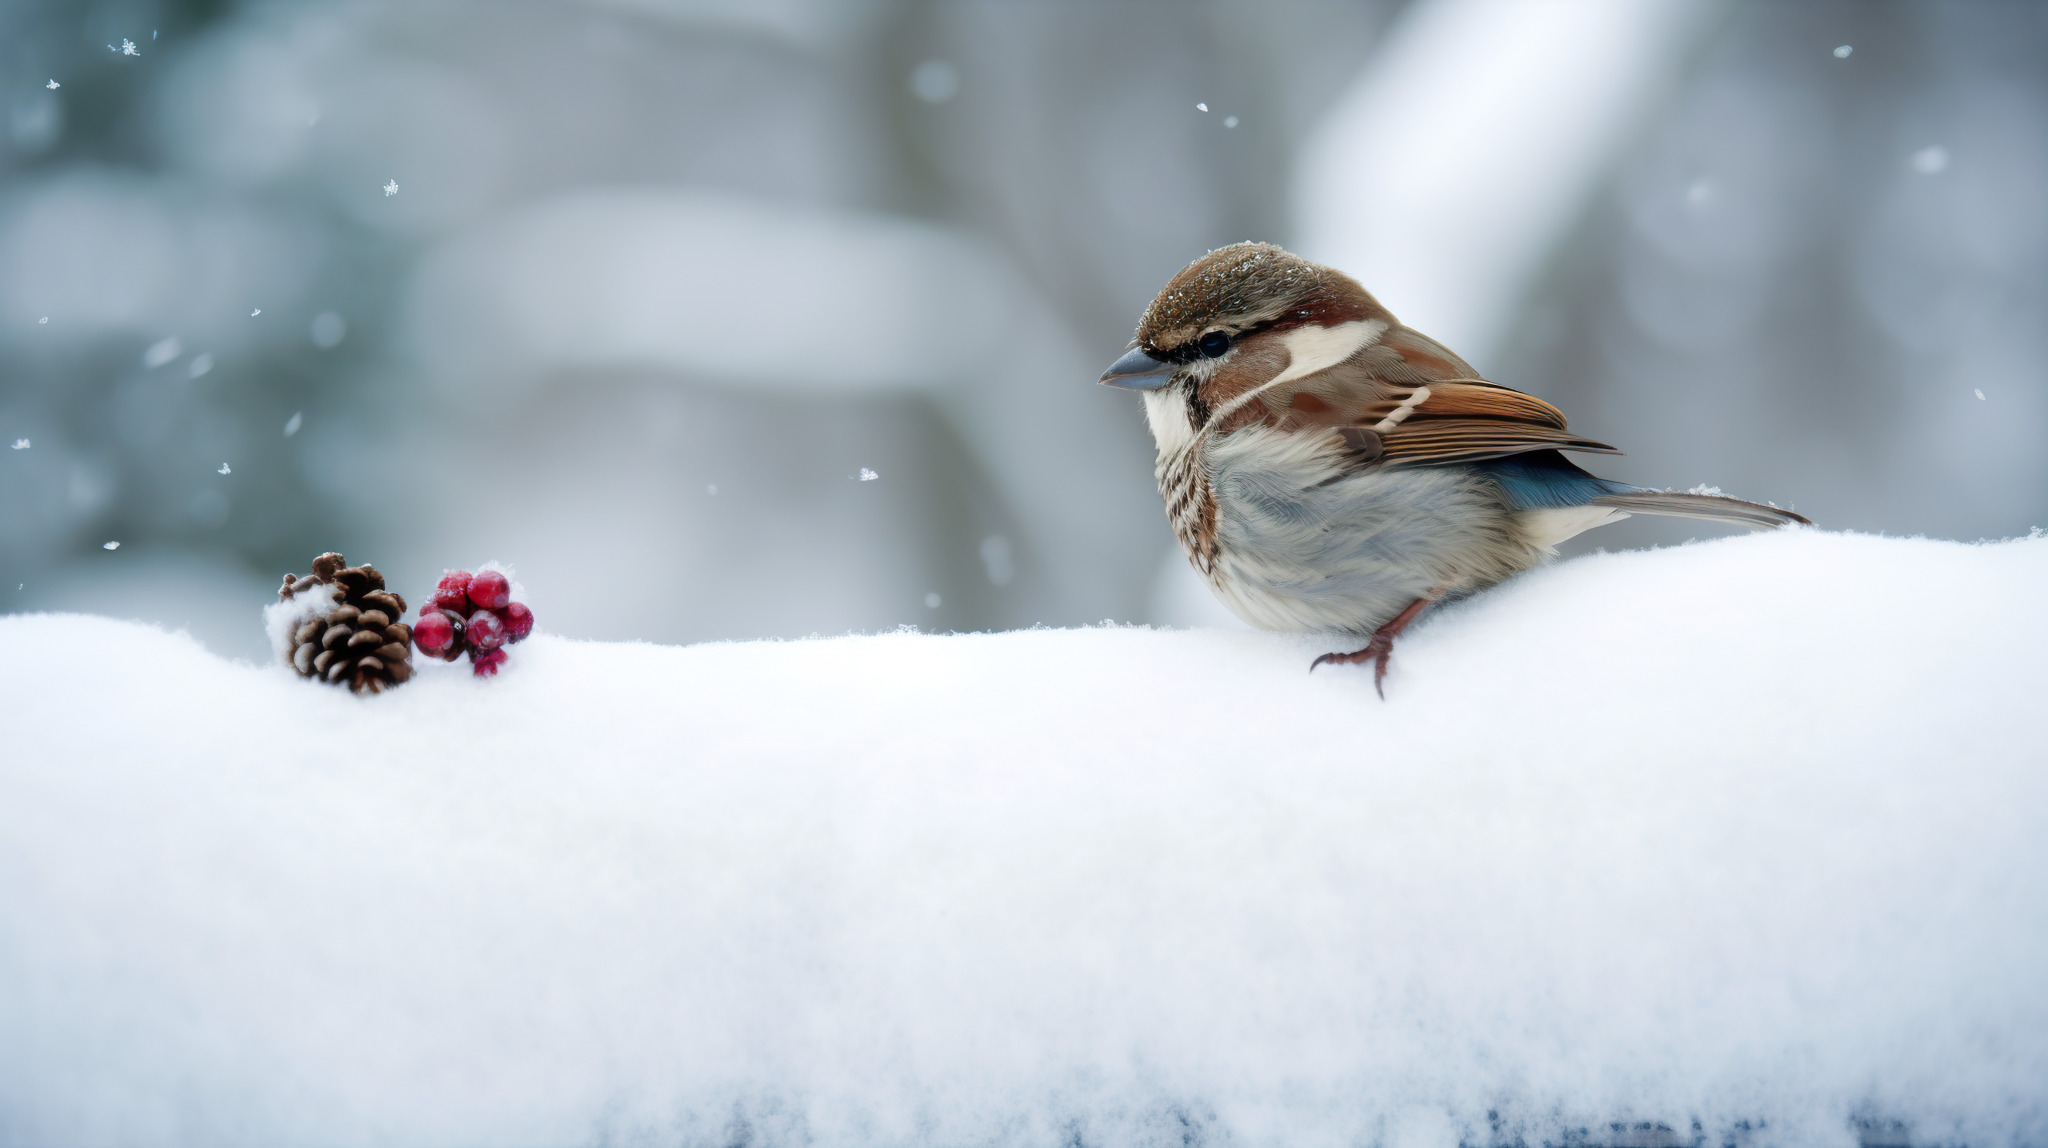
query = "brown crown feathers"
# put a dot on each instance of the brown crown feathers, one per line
(1248, 286)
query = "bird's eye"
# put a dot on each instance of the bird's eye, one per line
(1214, 344)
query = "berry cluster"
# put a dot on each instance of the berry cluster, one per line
(472, 611)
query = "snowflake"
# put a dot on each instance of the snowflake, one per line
(1201, 107)
(867, 475)
(21, 444)
(223, 469)
(292, 424)
(1842, 53)
(256, 312)
(391, 189)
(111, 546)
(44, 319)
(53, 85)
(1980, 393)
(127, 48)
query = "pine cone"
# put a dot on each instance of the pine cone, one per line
(348, 629)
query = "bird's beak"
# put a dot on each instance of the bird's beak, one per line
(1137, 371)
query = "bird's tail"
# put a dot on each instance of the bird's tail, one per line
(1712, 507)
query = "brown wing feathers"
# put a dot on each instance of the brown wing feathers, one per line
(1470, 420)
(1468, 399)
(1423, 405)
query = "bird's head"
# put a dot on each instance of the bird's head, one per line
(1246, 302)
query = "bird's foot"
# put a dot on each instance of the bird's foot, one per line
(1381, 647)
(1377, 651)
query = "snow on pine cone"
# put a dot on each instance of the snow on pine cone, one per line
(340, 625)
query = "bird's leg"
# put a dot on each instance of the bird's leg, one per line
(1382, 645)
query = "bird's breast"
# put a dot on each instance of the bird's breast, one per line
(1292, 535)
(1190, 506)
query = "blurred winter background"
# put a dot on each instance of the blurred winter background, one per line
(633, 293)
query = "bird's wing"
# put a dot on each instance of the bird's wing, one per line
(1405, 400)
(1447, 422)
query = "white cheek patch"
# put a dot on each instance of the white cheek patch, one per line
(1311, 349)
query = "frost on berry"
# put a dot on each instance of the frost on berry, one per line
(518, 621)
(490, 590)
(472, 613)
(454, 603)
(434, 634)
(486, 631)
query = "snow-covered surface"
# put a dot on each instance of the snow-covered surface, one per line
(1753, 830)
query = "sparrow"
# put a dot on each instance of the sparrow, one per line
(1327, 469)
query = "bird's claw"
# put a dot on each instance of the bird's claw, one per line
(1382, 645)
(1378, 651)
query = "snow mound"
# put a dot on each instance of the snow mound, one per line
(1746, 839)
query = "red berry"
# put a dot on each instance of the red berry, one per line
(486, 631)
(518, 621)
(486, 665)
(455, 580)
(434, 634)
(490, 590)
(455, 602)
(461, 625)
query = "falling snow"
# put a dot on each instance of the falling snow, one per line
(996, 556)
(44, 319)
(162, 351)
(256, 312)
(292, 424)
(935, 81)
(201, 363)
(391, 189)
(867, 475)
(21, 444)
(1842, 53)
(53, 85)
(711, 488)
(1229, 121)
(111, 546)
(932, 600)
(127, 48)
(1930, 160)
(328, 330)
(1980, 393)
(1201, 107)
(224, 469)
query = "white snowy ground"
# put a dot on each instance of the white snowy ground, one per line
(1753, 830)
